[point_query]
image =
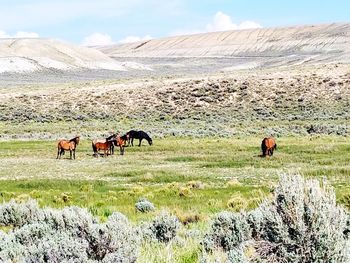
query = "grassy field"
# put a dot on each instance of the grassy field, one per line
(187, 176)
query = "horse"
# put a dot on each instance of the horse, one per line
(121, 142)
(109, 143)
(109, 138)
(138, 135)
(98, 145)
(65, 145)
(268, 145)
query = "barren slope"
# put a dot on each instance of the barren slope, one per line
(29, 55)
(257, 47)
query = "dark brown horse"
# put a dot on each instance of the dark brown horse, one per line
(65, 145)
(138, 135)
(268, 145)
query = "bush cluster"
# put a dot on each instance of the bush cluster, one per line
(163, 228)
(301, 224)
(68, 235)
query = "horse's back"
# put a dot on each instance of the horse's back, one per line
(269, 142)
(133, 134)
(63, 144)
(98, 141)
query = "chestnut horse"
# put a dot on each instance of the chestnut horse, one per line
(65, 145)
(110, 138)
(107, 145)
(121, 142)
(98, 145)
(268, 145)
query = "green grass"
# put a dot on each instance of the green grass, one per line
(165, 172)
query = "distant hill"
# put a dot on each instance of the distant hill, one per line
(29, 55)
(251, 48)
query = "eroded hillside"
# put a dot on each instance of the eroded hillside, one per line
(252, 48)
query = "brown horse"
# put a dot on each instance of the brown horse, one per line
(65, 145)
(110, 138)
(121, 142)
(108, 144)
(105, 146)
(268, 145)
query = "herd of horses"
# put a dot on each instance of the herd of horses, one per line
(106, 145)
(268, 144)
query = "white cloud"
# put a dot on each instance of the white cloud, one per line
(97, 39)
(19, 34)
(23, 34)
(223, 22)
(131, 39)
(220, 22)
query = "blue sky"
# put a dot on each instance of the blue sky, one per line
(112, 21)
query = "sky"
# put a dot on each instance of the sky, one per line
(103, 22)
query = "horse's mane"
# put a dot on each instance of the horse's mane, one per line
(112, 136)
(146, 135)
(74, 139)
(124, 137)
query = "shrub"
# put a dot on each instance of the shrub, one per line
(302, 224)
(144, 206)
(227, 231)
(18, 214)
(163, 228)
(68, 235)
(236, 203)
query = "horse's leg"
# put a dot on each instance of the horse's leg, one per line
(121, 150)
(58, 152)
(74, 154)
(70, 151)
(132, 141)
(140, 142)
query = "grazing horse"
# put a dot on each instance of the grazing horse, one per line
(110, 138)
(268, 145)
(65, 145)
(138, 135)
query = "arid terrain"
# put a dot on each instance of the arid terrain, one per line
(207, 101)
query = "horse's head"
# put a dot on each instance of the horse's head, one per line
(77, 139)
(150, 142)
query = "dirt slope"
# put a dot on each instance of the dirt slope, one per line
(29, 55)
(258, 47)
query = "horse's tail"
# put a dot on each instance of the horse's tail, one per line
(263, 146)
(94, 148)
(275, 147)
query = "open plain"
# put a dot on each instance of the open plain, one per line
(206, 113)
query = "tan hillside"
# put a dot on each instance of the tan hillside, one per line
(28, 55)
(264, 46)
